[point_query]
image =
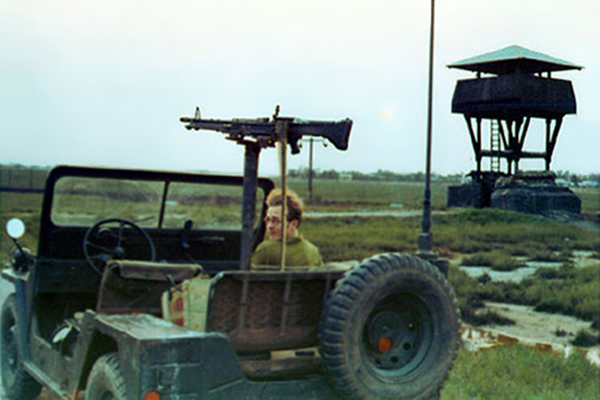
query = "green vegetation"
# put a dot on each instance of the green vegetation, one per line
(359, 238)
(472, 231)
(567, 290)
(495, 259)
(492, 236)
(489, 318)
(331, 194)
(590, 201)
(27, 207)
(585, 339)
(515, 372)
(513, 233)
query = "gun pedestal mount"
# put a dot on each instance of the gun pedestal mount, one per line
(257, 134)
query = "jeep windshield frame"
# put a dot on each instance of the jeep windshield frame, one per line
(161, 183)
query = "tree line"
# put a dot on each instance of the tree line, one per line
(11, 173)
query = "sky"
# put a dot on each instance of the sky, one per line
(105, 82)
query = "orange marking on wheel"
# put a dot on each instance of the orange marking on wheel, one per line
(385, 344)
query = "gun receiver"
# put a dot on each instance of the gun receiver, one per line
(267, 130)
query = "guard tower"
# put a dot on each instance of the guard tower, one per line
(512, 87)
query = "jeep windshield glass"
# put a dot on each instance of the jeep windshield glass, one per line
(83, 201)
(208, 206)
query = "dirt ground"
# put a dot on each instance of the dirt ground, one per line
(530, 325)
(537, 326)
(533, 327)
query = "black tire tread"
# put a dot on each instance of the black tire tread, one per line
(107, 367)
(338, 308)
(25, 387)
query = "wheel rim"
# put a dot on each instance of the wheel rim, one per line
(10, 356)
(397, 335)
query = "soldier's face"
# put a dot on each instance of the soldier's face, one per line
(274, 225)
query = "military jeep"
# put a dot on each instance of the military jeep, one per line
(92, 312)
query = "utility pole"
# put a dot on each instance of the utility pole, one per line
(311, 141)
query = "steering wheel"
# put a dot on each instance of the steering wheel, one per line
(109, 239)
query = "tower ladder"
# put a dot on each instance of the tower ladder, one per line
(495, 146)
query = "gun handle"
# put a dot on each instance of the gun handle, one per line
(294, 145)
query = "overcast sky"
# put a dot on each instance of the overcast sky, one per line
(105, 82)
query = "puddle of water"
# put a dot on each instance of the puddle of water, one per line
(521, 273)
(543, 264)
(516, 275)
(500, 276)
(373, 213)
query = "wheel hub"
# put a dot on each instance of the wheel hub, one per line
(397, 333)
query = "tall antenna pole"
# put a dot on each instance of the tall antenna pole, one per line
(425, 237)
(310, 170)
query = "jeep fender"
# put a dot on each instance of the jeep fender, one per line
(158, 355)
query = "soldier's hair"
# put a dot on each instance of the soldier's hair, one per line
(294, 204)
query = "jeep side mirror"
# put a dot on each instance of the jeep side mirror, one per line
(15, 228)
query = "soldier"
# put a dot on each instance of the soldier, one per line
(299, 251)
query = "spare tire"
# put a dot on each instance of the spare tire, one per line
(390, 329)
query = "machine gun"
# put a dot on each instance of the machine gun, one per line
(268, 131)
(256, 134)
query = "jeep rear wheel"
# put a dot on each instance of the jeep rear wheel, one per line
(17, 383)
(106, 381)
(390, 329)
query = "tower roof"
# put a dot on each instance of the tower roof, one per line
(513, 59)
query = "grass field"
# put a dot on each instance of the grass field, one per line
(26, 207)
(470, 231)
(514, 372)
(339, 194)
(590, 201)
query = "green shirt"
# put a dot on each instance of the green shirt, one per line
(298, 252)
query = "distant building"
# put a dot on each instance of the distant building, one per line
(589, 184)
(564, 182)
(345, 176)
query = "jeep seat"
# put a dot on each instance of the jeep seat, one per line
(136, 286)
(261, 310)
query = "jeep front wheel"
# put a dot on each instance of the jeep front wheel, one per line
(106, 381)
(390, 330)
(18, 384)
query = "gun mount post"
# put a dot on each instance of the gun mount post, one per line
(251, 155)
(282, 132)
